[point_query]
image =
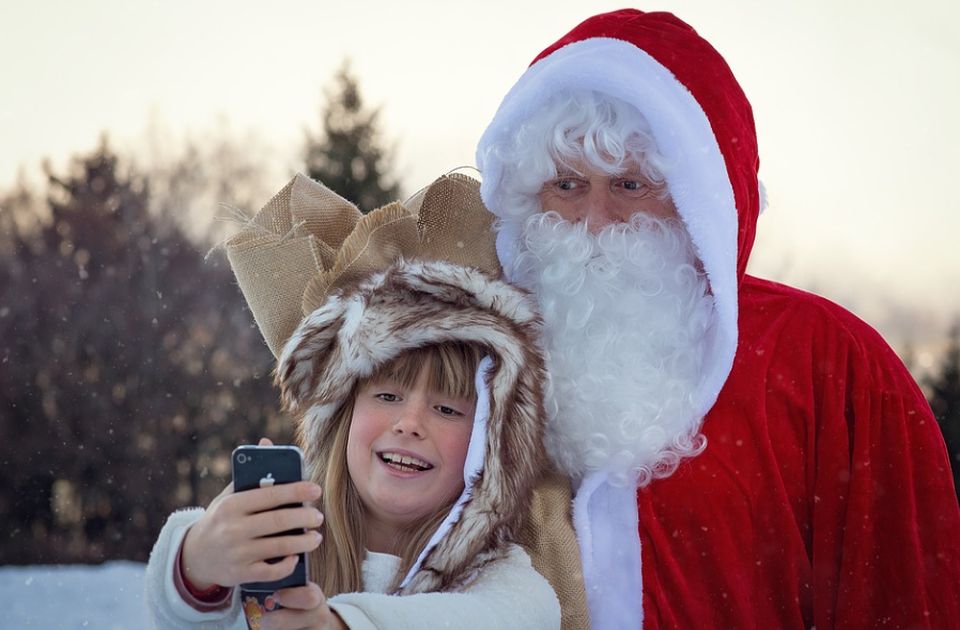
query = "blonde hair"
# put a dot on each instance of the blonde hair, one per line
(336, 565)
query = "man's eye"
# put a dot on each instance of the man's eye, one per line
(567, 184)
(632, 185)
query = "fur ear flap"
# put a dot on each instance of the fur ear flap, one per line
(307, 354)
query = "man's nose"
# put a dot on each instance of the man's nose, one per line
(600, 209)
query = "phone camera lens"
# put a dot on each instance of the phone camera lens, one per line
(241, 459)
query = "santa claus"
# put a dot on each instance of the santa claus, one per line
(780, 465)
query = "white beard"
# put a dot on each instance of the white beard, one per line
(625, 315)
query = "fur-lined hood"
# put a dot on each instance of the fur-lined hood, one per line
(410, 305)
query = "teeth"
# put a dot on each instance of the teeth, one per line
(405, 460)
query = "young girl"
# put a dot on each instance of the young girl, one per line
(419, 397)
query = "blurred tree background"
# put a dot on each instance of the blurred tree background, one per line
(347, 155)
(944, 396)
(130, 366)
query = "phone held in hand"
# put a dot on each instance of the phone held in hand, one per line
(259, 467)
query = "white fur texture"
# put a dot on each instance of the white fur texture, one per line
(695, 170)
(576, 128)
(625, 316)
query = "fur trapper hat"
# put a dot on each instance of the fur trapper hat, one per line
(410, 305)
(338, 294)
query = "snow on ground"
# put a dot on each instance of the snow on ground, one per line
(106, 597)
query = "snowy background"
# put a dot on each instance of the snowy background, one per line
(105, 597)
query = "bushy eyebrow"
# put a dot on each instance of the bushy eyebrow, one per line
(565, 171)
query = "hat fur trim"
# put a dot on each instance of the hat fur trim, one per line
(410, 305)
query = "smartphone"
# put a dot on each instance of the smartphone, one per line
(258, 467)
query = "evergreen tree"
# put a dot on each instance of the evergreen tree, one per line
(945, 400)
(127, 370)
(347, 155)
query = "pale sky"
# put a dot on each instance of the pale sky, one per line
(856, 106)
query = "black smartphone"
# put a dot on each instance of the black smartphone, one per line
(258, 467)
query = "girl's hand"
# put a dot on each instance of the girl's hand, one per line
(304, 608)
(227, 545)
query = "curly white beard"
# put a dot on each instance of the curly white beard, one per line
(625, 313)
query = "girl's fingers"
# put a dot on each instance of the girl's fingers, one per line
(303, 607)
(265, 442)
(266, 572)
(276, 521)
(260, 499)
(280, 546)
(301, 597)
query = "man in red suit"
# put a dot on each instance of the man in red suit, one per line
(781, 466)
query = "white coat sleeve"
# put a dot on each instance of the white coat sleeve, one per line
(166, 609)
(507, 594)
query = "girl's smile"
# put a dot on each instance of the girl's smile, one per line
(404, 462)
(406, 449)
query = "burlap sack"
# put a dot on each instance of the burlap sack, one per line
(308, 241)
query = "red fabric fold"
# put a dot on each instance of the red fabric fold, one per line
(824, 497)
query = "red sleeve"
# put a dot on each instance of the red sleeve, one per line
(885, 519)
(208, 600)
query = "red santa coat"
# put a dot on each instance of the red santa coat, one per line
(824, 496)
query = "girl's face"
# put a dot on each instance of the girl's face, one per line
(406, 449)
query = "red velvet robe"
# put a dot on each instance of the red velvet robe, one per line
(824, 497)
